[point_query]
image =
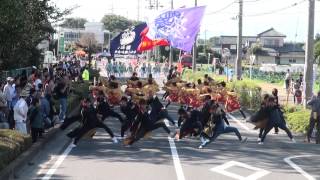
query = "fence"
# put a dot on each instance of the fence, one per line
(15, 72)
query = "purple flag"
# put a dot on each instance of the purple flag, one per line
(179, 26)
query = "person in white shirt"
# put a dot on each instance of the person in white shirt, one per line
(20, 112)
(37, 82)
(9, 91)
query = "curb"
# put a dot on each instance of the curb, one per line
(26, 157)
(9, 172)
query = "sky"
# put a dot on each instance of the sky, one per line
(220, 16)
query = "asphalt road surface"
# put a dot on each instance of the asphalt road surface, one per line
(161, 158)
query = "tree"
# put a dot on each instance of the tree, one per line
(116, 23)
(23, 25)
(90, 44)
(74, 23)
(317, 51)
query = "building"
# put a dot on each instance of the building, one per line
(274, 50)
(68, 37)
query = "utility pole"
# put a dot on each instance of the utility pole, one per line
(238, 67)
(194, 56)
(308, 67)
(171, 50)
(138, 13)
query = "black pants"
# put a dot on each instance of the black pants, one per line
(125, 126)
(78, 133)
(282, 126)
(112, 113)
(142, 131)
(190, 128)
(35, 133)
(312, 124)
(69, 121)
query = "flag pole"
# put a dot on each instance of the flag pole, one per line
(194, 56)
(171, 50)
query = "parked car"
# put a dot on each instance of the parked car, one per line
(186, 61)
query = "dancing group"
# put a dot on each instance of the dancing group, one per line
(202, 112)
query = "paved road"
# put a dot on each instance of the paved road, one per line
(155, 158)
(161, 158)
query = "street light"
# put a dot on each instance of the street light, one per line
(109, 38)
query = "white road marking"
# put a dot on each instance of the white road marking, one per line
(256, 175)
(241, 124)
(175, 157)
(56, 165)
(297, 168)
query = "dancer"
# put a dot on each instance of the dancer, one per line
(143, 124)
(90, 122)
(220, 127)
(192, 123)
(130, 110)
(275, 119)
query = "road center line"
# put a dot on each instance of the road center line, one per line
(175, 157)
(56, 165)
(297, 168)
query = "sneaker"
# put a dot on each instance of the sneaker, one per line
(115, 140)
(260, 143)
(293, 140)
(202, 139)
(73, 145)
(276, 132)
(200, 147)
(259, 139)
(244, 140)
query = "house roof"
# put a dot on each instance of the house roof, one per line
(271, 33)
(290, 47)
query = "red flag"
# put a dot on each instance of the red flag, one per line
(147, 43)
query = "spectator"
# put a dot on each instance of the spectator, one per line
(85, 74)
(37, 82)
(4, 124)
(45, 111)
(297, 92)
(36, 120)
(287, 80)
(62, 93)
(20, 112)
(315, 117)
(8, 91)
(2, 96)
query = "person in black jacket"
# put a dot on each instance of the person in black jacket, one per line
(90, 121)
(217, 117)
(158, 111)
(275, 119)
(192, 122)
(130, 110)
(143, 124)
(105, 110)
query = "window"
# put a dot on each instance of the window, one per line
(292, 60)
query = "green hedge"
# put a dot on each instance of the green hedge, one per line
(249, 93)
(12, 144)
(297, 118)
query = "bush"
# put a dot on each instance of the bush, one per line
(12, 144)
(249, 93)
(297, 118)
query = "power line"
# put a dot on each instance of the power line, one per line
(276, 10)
(219, 10)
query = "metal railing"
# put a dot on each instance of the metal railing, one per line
(14, 73)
